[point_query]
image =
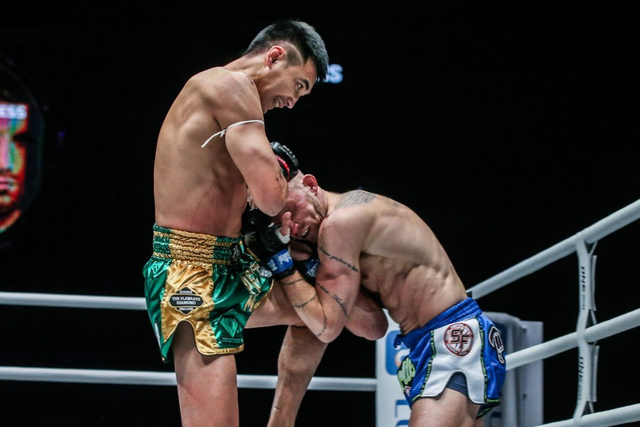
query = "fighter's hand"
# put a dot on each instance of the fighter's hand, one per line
(305, 258)
(285, 223)
(269, 242)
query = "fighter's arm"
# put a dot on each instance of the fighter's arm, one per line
(326, 308)
(248, 144)
(366, 320)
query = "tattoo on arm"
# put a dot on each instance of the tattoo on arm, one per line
(356, 197)
(337, 299)
(324, 327)
(340, 260)
(306, 302)
(293, 282)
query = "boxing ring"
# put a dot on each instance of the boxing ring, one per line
(588, 331)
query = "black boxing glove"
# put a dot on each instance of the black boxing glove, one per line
(254, 219)
(287, 160)
(265, 240)
(308, 268)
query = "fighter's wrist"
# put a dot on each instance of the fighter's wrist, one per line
(281, 264)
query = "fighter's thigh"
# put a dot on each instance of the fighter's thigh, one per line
(449, 409)
(275, 310)
(203, 380)
(189, 361)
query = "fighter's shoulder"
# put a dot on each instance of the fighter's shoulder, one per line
(220, 82)
(355, 199)
(352, 211)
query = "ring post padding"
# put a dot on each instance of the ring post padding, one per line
(586, 351)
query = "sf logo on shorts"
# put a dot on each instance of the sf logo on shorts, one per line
(459, 339)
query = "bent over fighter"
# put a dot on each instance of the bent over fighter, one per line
(455, 369)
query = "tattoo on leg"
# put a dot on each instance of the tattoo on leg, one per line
(340, 260)
(306, 302)
(337, 299)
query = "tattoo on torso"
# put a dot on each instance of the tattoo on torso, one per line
(355, 197)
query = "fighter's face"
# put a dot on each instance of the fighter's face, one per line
(306, 215)
(286, 84)
(13, 156)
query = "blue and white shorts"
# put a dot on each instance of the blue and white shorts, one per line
(459, 340)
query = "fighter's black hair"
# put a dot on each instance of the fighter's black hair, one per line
(300, 34)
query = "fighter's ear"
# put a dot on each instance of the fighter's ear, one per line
(275, 54)
(310, 181)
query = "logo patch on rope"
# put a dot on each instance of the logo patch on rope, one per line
(185, 301)
(495, 340)
(459, 339)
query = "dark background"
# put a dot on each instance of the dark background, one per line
(507, 127)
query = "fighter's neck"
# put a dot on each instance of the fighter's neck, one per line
(330, 200)
(249, 65)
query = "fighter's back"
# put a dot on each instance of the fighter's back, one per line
(200, 189)
(403, 261)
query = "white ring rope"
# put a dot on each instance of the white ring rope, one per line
(567, 342)
(591, 234)
(583, 336)
(136, 377)
(72, 301)
(95, 376)
(538, 352)
(613, 417)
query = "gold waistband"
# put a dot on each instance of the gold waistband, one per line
(194, 247)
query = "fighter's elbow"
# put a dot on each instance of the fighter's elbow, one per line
(271, 203)
(328, 335)
(326, 338)
(372, 329)
(374, 332)
(379, 329)
(270, 208)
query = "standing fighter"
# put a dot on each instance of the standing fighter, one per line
(200, 284)
(456, 367)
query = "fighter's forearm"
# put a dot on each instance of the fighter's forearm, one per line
(305, 299)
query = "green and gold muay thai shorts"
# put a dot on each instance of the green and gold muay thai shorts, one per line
(211, 282)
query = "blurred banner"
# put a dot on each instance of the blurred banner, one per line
(21, 140)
